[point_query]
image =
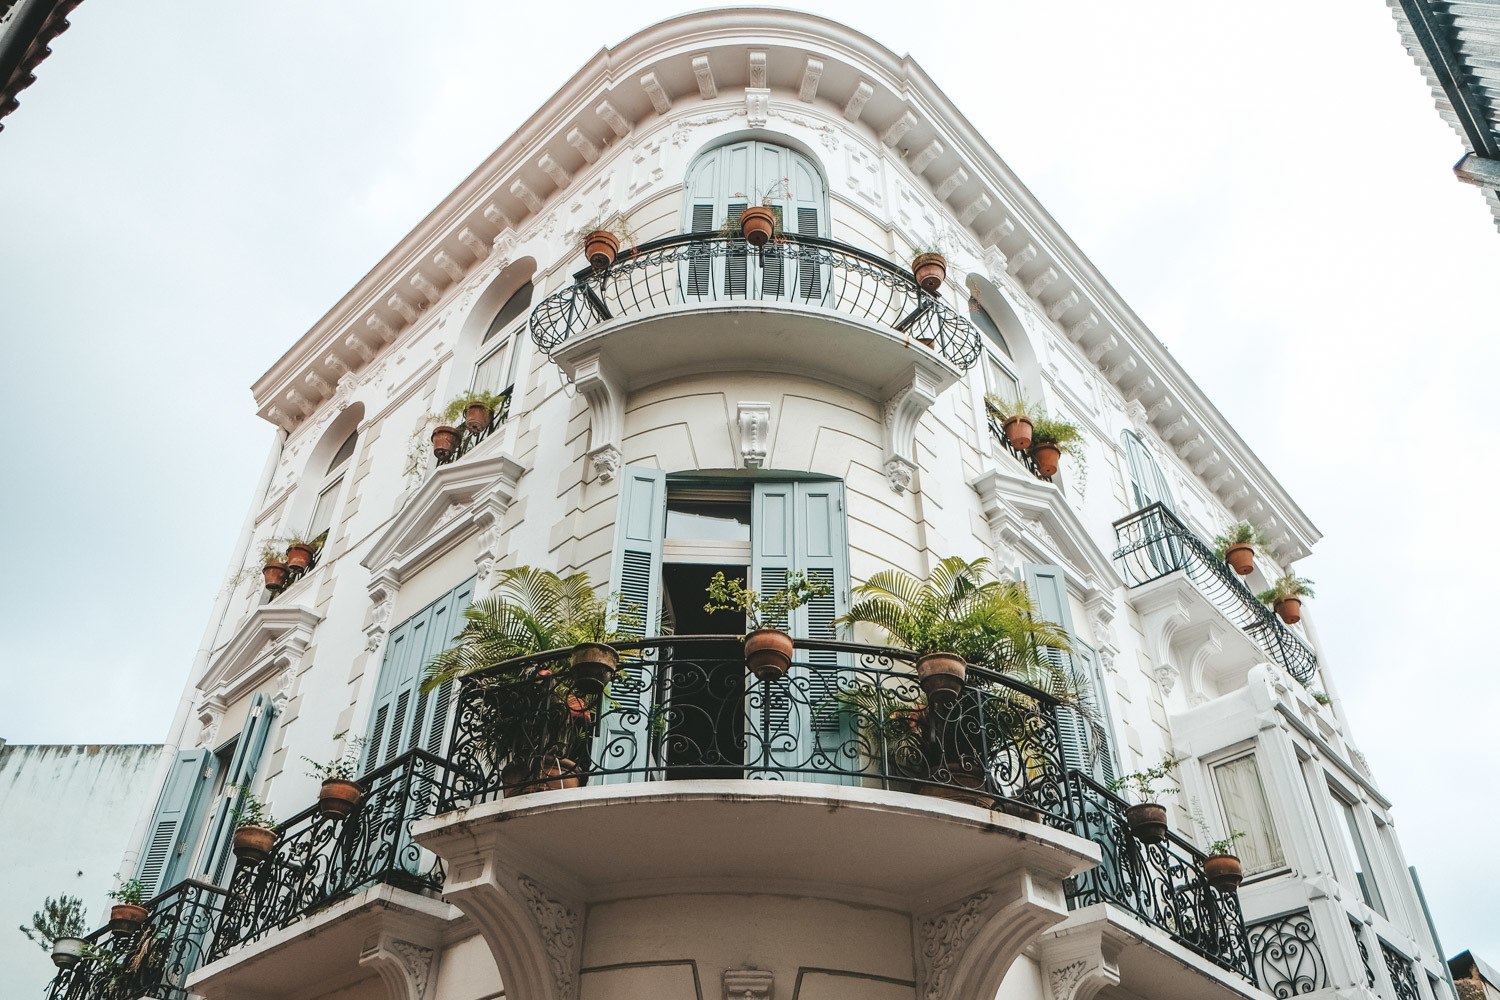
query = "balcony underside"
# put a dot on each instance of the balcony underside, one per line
(1185, 627)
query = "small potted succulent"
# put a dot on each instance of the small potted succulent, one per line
(1285, 597)
(477, 409)
(1147, 819)
(273, 567)
(254, 828)
(1014, 418)
(1050, 438)
(300, 549)
(129, 911)
(340, 794)
(1222, 867)
(599, 240)
(1237, 546)
(929, 266)
(768, 648)
(59, 927)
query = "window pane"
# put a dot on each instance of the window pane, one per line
(1246, 810)
(323, 510)
(713, 520)
(514, 306)
(491, 372)
(345, 450)
(999, 381)
(1359, 857)
(988, 327)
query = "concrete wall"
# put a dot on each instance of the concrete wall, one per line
(66, 814)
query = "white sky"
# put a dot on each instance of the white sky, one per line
(189, 186)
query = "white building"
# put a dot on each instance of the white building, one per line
(699, 406)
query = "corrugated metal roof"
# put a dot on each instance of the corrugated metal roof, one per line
(1456, 44)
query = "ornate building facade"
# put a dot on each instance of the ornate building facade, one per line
(700, 405)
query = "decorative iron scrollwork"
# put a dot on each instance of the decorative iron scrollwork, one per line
(1288, 960)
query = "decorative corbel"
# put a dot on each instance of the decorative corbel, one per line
(408, 970)
(749, 984)
(812, 74)
(1076, 966)
(903, 411)
(754, 423)
(595, 379)
(382, 590)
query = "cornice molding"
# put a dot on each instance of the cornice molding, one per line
(273, 638)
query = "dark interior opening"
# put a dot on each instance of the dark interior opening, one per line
(703, 686)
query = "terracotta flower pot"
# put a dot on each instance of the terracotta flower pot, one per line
(339, 798)
(768, 653)
(1020, 810)
(600, 248)
(941, 675)
(963, 779)
(126, 918)
(1241, 558)
(544, 774)
(444, 442)
(254, 843)
(929, 269)
(299, 556)
(477, 418)
(66, 951)
(1046, 455)
(757, 224)
(1223, 872)
(1289, 608)
(1147, 821)
(1017, 432)
(274, 574)
(593, 666)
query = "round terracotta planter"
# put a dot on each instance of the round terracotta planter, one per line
(1241, 558)
(600, 248)
(254, 843)
(1046, 455)
(929, 269)
(477, 418)
(274, 574)
(339, 798)
(1020, 810)
(1147, 821)
(126, 918)
(544, 774)
(964, 783)
(757, 225)
(768, 653)
(1289, 608)
(1223, 872)
(444, 442)
(299, 556)
(66, 951)
(593, 666)
(1018, 432)
(942, 675)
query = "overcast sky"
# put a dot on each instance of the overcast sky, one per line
(189, 186)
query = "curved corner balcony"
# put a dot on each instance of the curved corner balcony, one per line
(703, 302)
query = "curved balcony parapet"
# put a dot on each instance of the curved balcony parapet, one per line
(685, 707)
(1154, 543)
(705, 269)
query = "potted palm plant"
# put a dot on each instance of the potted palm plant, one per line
(477, 408)
(129, 911)
(768, 649)
(339, 794)
(59, 927)
(1222, 867)
(1285, 597)
(254, 828)
(1050, 439)
(1237, 545)
(1014, 418)
(533, 611)
(1147, 818)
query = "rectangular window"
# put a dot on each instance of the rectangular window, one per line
(1246, 810)
(322, 517)
(998, 380)
(1359, 856)
(492, 374)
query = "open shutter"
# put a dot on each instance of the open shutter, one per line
(243, 767)
(805, 218)
(822, 552)
(704, 213)
(778, 731)
(623, 742)
(1049, 590)
(1148, 484)
(174, 825)
(1105, 768)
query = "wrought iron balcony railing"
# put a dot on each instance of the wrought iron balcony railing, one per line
(318, 860)
(1288, 960)
(1024, 457)
(1154, 543)
(156, 960)
(686, 707)
(707, 268)
(469, 439)
(1162, 884)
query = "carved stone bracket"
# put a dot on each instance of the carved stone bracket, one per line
(903, 411)
(967, 949)
(754, 423)
(382, 590)
(601, 388)
(408, 970)
(944, 938)
(749, 984)
(559, 929)
(1080, 962)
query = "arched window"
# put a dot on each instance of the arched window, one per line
(328, 493)
(722, 183)
(1000, 375)
(1147, 483)
(500, 349)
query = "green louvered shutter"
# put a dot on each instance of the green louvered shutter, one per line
(174, 826)
(823, 553)
(805, 218)
(778, 728)
(704, 213)
(1086, 658)
(1049, 590)
(243, 767)
(623, 742)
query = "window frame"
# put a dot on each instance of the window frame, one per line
(1228, 759)
(505, 338)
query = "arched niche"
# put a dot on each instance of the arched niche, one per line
(327, 471)
(736, 169)
(1014, 350)
(471, 346)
